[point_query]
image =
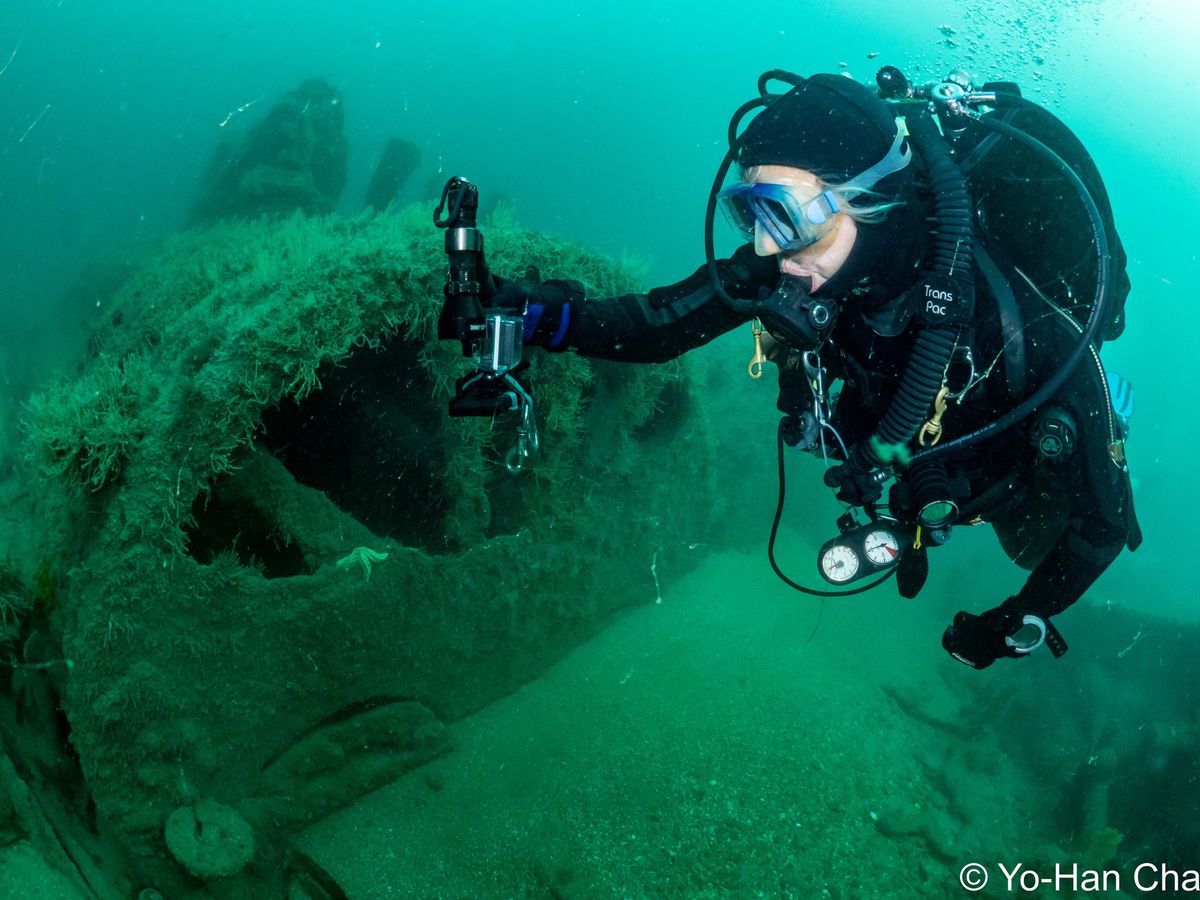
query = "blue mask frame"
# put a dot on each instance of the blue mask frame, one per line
(793, 223)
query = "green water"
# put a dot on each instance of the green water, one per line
(711, 744)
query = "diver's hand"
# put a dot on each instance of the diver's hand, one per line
(979, 640)
(545, 307)
(506, 294)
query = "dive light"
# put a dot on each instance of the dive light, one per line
(492, 336)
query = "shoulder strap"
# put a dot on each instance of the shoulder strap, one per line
(1011, 323)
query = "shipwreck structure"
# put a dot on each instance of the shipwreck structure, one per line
(273, 568)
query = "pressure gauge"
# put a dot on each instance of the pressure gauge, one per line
(839, 564)
(882, 547)
(864, 551)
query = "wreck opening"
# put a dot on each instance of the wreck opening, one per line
(368, 439)
(374, 442)
(226, 521)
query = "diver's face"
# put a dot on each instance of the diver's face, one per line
(820, 260)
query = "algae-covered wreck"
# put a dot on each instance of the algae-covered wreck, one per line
(274, 568)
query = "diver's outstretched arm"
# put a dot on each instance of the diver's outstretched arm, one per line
(652, 327)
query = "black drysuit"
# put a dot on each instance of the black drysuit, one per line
(1066, 519)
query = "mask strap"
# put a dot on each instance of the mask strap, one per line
(895, 160)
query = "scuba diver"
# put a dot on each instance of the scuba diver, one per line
(933, 270)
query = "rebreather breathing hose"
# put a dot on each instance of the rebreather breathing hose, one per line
(953, 256)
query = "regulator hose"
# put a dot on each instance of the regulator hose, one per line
(953, 255)
(779, 504)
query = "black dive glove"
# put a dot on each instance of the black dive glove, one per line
(545, 307)
(980, 640)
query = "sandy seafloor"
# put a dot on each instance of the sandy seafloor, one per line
(698, 747)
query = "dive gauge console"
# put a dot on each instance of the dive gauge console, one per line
(861, 552)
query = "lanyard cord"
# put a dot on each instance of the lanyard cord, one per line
(775, 530)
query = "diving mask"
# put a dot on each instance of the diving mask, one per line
(794, 222)
(791, 222)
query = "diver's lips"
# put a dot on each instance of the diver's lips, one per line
(791, 267)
